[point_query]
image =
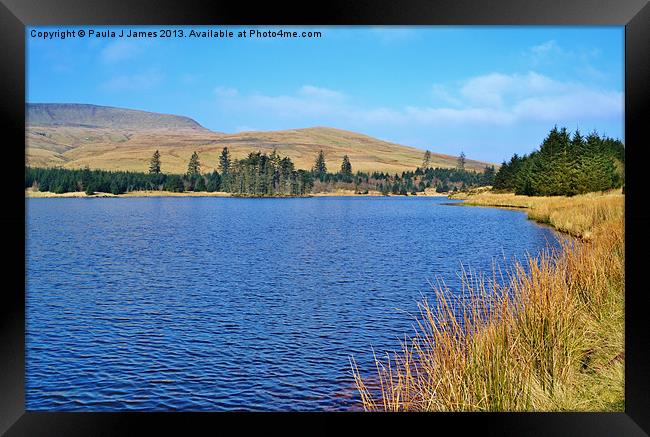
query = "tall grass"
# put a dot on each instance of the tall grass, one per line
(578, 216)
(545, 336)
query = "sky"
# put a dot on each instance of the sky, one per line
(487, 91)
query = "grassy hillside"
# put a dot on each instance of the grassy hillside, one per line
(73, 136)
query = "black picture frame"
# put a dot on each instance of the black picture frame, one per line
(16, 14)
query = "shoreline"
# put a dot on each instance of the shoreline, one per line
(548, 211)
(150, 193)
(557, 330)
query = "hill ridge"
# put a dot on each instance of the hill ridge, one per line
(93, 116)
(109, 138)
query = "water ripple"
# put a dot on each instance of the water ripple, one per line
(204, 304)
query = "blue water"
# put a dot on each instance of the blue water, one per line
(205, 304)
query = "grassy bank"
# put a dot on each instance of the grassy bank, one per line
(578, 216)
(545, 336)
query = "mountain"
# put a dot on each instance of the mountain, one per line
(76, 135)
(93, 116)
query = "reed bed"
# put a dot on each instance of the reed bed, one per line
(578, 216)
(546, 335)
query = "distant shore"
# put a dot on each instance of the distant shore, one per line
(80, 194)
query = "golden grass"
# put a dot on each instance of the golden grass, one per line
(121, 149)
(577, 216)
(47, 194)
(546, 336)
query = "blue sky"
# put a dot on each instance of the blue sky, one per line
(489, 91)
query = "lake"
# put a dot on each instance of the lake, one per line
(212, 304)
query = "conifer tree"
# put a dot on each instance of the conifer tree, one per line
(488, 175)
(346, 169)
(214, 182)
(426, 161)
(460, 162)
(224, 161)
(200, 184)
(154, 164)
(224, 168)
(194, 166)
(320, 168)
(565, 165)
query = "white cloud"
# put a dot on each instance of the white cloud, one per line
(546, 48)
(443, 94)
(308, 100)
(545, 53)
(490, 99)
(446, 116)
(578, 103)
(493, 89)
(590, 73)
(287, 106)
(321, 93)
(550, 52)
(507, 98)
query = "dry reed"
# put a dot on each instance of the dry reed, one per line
(546, 337)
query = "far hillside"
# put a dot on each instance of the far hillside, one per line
(94, 116)
(75, 136)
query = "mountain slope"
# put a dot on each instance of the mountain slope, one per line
(93, 116)
(74, 136)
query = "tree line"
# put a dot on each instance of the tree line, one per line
(565, 165)
(259, 174)
(408, 182)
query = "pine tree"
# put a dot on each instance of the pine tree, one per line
(426, 161)
(488, 175)
(576, 150)
(460, 162)
(224, 161)
(174, 183)
(346, 169)
(194, 166)
(200, 184)
(214, 182)
(115, 188)
(502, 178)
(154, 164)
(286, 171)
(224, 168)
(320, 168)
(273, 173)
(565, 165)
